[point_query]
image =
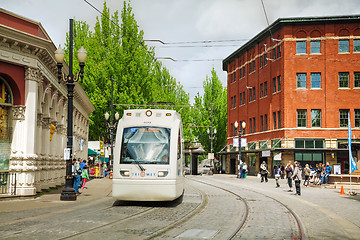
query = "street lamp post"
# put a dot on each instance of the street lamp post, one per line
(211, 133)
(68, 193)
(243, 124)
(112, 125)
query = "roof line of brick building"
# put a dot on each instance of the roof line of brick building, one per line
(285, 21)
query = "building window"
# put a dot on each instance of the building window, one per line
(254, 69)
(274, 85)
(357, 117)
(274, 117)
(301, 80)
(254, 92)
(276, 143)
(309, 157)
(240, 99)
(316, 118)
(301, 47)
(250, 67)
(279, 51)
(262, 122)
(265, 59)
(279, 119)
(234, 76)
(266, 121)
(343, 117)
(301, 118)
(261, 90)
(344, 46)
(357, 79)
(343, 80)
(254, 125)
(263, 145)
(315, 80)
(265, 89)
(244, 71)
(261, 61)
(356, 45)
(234, 101)
(274, 53)
(279, 83)
(243, 97)
(309, 143)
(250, 125)
(250, 95)
(315, 47)
(240, 72)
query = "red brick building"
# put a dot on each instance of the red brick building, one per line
(294, 84)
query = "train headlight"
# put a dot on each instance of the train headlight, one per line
(163, 173)
(125, 173)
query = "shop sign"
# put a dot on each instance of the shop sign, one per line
(265, 153)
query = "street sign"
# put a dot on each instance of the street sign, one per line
(210, 155)
(66, 153)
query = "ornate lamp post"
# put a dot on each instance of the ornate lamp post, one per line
(68, 193)
(243, 125)
(112, 126)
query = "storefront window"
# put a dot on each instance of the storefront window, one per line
(5, 110)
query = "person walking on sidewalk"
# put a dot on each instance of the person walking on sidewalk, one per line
(85, 176)
(289, 172)
(77, 176)
(277, 174)
(307, 173)
(263, 171)
(297, 178)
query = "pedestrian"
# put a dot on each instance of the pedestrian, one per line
(277, 174)
(263, 171)
(289, 172)
(82, 164)
(282, 168)
(77, 176)
(307, 172)
(85, 176)
(297, 178)
(326, 174)
(244, 171)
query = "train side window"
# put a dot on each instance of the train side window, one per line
(179, 145)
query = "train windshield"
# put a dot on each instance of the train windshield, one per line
(145, 145)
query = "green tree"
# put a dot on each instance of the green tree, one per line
(116, 51)
(212, 105)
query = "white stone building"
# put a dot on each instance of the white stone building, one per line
(32, 105)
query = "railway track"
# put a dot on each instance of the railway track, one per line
(241, 228)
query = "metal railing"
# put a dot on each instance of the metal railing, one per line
(7, 183)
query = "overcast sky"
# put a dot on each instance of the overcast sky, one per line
(183, 21)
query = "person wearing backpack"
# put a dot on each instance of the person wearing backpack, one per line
(77, 176)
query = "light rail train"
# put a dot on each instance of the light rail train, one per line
(148, 156)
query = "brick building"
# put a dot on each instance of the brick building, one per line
(294, 84)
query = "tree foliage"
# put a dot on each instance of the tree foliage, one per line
(116, 51)
(216, 96)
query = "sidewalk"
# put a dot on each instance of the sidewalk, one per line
(98, 188)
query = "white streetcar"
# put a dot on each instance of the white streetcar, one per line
(148, 156)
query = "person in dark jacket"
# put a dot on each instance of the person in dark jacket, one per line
(289, 171)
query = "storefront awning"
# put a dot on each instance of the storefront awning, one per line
(92, 152)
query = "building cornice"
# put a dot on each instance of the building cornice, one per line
(288, 21)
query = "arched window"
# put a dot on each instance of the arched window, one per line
(5, 93)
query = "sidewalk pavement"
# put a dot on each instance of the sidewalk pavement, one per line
(98, 188)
